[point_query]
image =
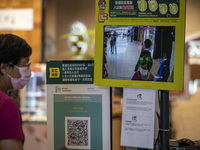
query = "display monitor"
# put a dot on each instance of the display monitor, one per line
(143, 53)
(140, 51)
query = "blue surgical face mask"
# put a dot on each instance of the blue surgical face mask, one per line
(103, 7)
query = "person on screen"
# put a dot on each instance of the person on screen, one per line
(112, 44)
(105, 72)
(145, 51)
(144, 73)
(163, 72)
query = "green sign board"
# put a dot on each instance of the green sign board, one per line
(70, 72)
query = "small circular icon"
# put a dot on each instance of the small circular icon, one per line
(168, 15)
(142, 5)
(173, 8)
(163, 9)
(153, 5)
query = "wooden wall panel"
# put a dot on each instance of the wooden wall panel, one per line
(33, 37)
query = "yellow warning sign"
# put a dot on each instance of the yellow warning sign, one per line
(163, 9)
(142, 5)
(54, 72)
(153, 5)
(173, 8)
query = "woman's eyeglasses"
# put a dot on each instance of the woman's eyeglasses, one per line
(27, 65)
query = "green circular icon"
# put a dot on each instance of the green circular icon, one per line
(163, 9)
(153, 5)
(142, 5)
(173, 8)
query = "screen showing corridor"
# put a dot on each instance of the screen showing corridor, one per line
(142, 53)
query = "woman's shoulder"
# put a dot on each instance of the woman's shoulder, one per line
(5, 100)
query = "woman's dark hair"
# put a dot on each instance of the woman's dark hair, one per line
(13, 48)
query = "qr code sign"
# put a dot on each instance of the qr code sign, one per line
(77, 131)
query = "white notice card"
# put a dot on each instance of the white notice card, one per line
(138, 118)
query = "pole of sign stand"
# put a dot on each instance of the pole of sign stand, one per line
(164, 119)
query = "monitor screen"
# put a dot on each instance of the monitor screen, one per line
(144, 53)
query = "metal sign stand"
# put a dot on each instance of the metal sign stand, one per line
(164, 119)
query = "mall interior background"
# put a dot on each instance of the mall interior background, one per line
(53, 20)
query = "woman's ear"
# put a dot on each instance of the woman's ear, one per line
(3, 68)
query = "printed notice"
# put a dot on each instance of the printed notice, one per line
(138, 118)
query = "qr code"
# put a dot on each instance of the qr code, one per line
(77, 131)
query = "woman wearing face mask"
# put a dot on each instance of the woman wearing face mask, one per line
(14, 74)
(144, 73)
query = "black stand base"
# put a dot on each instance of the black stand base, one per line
(164, 119)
